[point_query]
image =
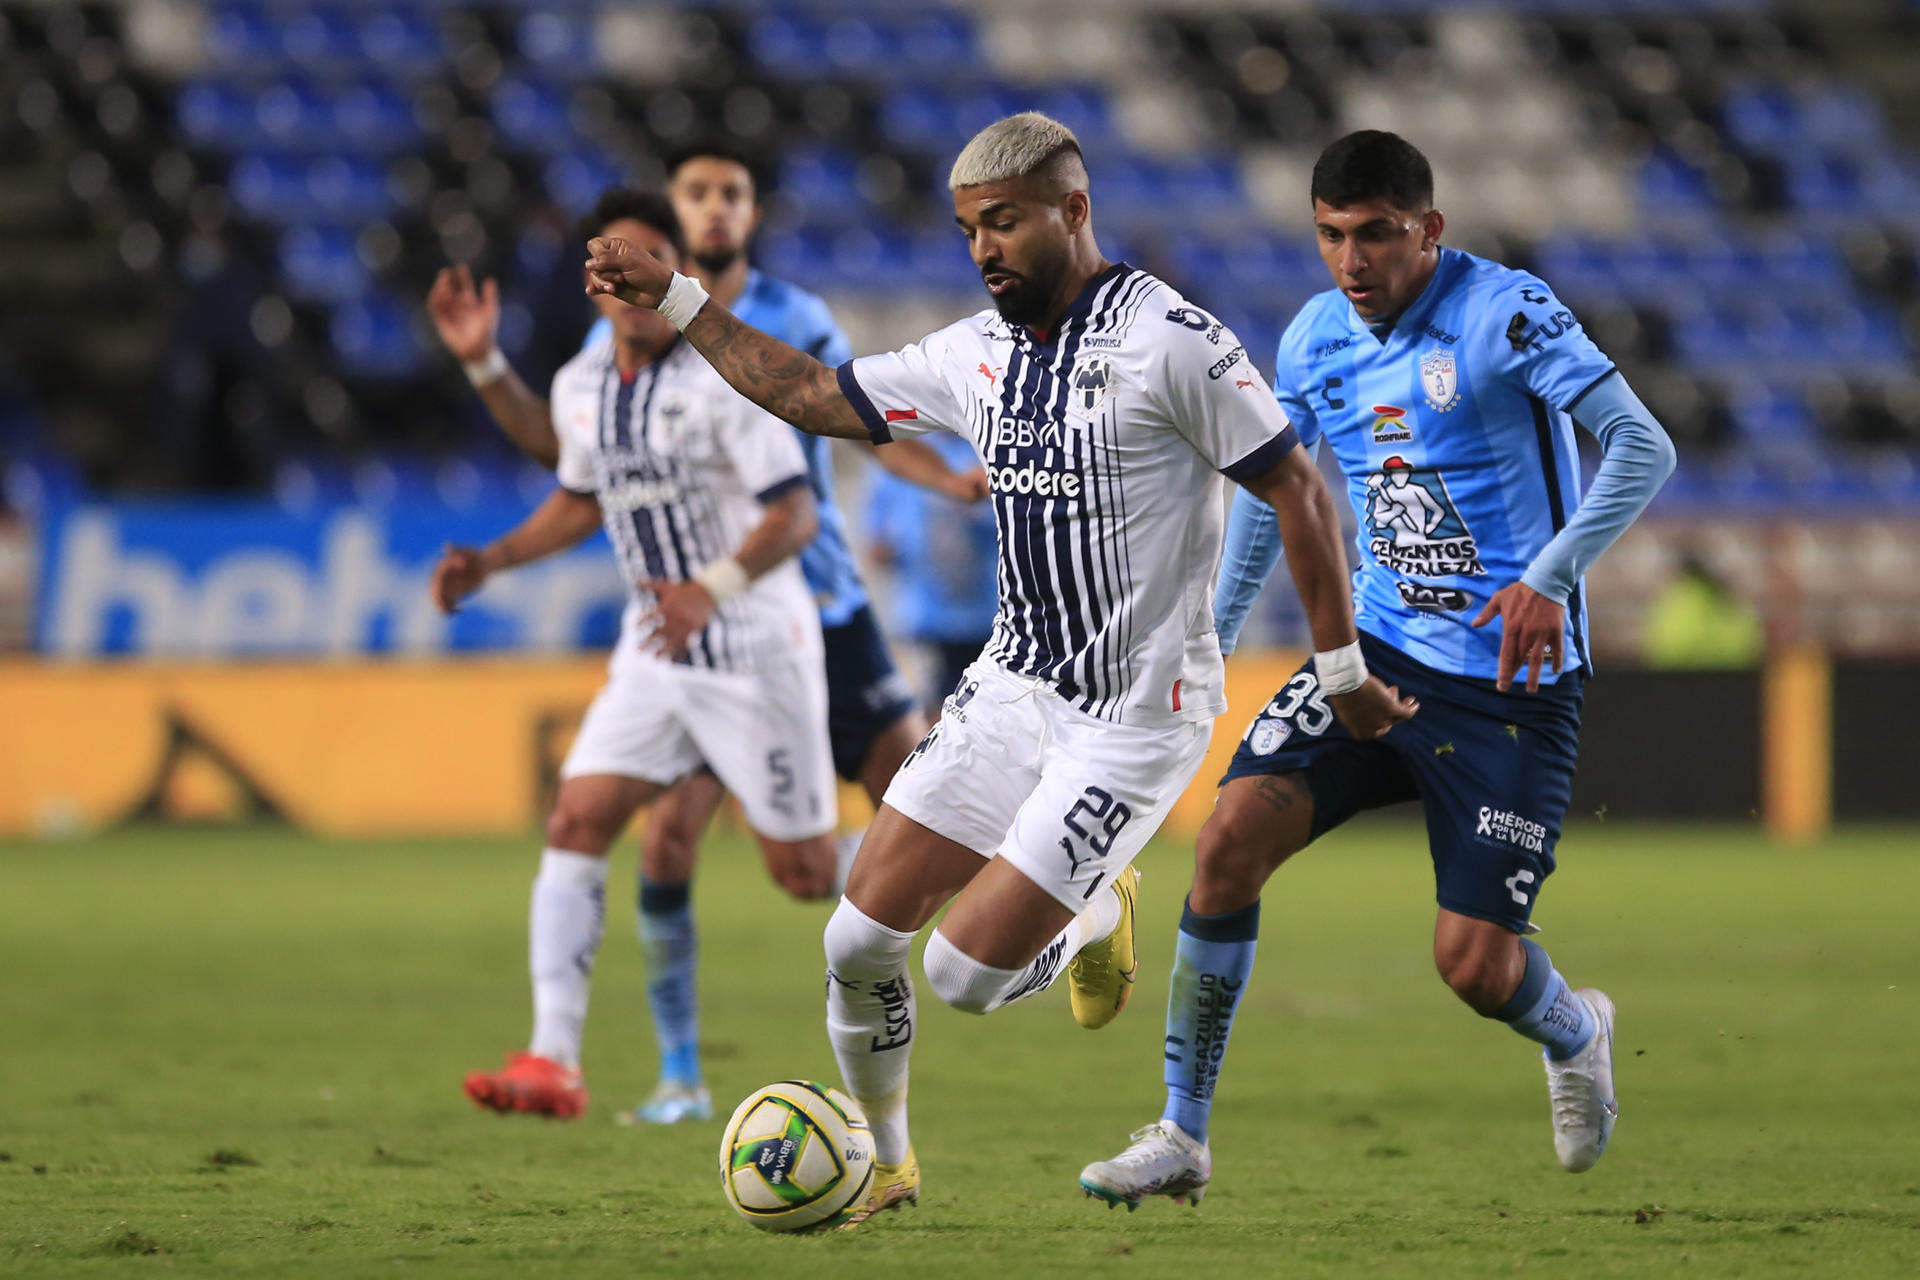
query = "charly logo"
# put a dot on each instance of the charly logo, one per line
(1390, 425)
(1091, 381)
(1413, 526)
(1440, 379)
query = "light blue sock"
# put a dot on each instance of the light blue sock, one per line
(1544, 1008)
(1211, 963)
(672, 949)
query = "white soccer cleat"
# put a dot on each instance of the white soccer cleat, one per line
(1163, 1161)
(1581, 1090)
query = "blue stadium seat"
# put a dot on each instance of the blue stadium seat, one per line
(297, 116)
(1762, 118)
(374, 338)
(240, 36)
(789, 46)
(1672, 188)
(269, 187)
(821, 178)
(575, 180)
(803, 255)
(322, 264)
(321, 39)
(1824, 184)
(349, 188)
(533, 115)
(557, 41)
(1843, 119)
(217, 115)
(940, 261)
(375, 117)
(1772, 414)
(402, 41)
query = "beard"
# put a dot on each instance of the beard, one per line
(1027, 300)
(714, 261)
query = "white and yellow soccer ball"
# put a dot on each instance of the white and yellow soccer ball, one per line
(796, 1155)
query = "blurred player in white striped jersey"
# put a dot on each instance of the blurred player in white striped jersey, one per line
(707, 502)
(1105, 408)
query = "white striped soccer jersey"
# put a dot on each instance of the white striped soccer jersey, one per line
(1102, 441)
(682, 465)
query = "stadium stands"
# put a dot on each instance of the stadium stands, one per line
(261, 190)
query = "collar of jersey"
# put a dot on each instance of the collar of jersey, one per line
(1078, 308)
(1414, 317)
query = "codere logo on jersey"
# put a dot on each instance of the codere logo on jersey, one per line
(1031, 479)
(1413, 526)
(636, 492)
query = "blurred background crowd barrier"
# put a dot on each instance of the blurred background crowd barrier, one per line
(226, 431)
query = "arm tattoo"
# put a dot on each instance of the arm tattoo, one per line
(787, 383)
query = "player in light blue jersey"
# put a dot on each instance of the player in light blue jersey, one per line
(1447, 387)
(872, 718)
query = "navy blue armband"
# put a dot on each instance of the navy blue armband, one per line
(780, 489)
(1263, 459)
(862, 405)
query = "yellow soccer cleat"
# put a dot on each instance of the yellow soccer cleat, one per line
(1101, 976)
(893, 1186)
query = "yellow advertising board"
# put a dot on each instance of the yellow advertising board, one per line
(370, 748)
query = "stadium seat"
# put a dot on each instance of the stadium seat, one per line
(269, 187)
(576, 179)
(322, 264)
(374, 338)
(533, 115)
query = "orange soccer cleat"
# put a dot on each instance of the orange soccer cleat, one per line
(530, 1083)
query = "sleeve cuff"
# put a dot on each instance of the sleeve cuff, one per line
(1263, 459)
(580, 493)
(1584, 391)
(850, 388)
(1544, 582)
(781, 488)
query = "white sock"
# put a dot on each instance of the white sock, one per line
(973, 987)
(845, 849)
(1098, 921)
(564, 926)
(870, 1020)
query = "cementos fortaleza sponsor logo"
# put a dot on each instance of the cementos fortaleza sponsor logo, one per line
(242, 578)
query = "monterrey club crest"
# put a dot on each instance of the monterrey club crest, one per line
(1440, 378)
(1091, 379)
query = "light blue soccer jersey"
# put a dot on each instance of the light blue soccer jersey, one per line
(1454, 433)
(802, 320)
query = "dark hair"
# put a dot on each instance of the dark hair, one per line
(1373, 165)
(719, 149)
(648, 208)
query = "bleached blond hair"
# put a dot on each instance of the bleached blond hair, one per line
(1015, 147)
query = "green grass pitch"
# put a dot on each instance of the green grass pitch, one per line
(239, 1053)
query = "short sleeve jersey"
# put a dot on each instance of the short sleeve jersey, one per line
(1453, 429)
(681, 465)
(802, 320)
(1104, 441)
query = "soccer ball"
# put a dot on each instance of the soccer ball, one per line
(796, 1155)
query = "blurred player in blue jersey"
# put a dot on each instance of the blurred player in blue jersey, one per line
(873, 721)
(1447, 387)
(943, 555)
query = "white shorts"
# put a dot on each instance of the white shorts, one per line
(764, 733)
(1015, 771)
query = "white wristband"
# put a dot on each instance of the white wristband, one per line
(1341, 670)
(682, 301)
(723, 579)
(489, 368)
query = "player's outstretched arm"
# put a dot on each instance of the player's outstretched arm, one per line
(468, 322)
(683, 609)
(1310, 530)
(788, 383)
(918, 462)
(563, 520)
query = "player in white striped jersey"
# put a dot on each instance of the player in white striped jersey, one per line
(1105, 408)
(707, 500)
